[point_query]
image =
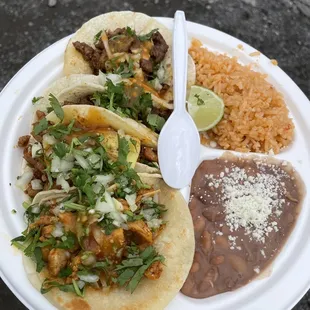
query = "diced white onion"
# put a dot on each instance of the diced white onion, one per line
(48, 140)
(55, 165)
(127, 190)
(118, 206)
(131, 199)
(96, 187)
(93, 159)
(118, 217)
(36, 150)
(62, 182)
(161, 74)
(82, 161)
(88, 259)
(58, 230)
(36, 184)
(106, 206)
(35, 209)
(154, 223)
(104, 179)
(24, 179)
(61, 165)
(148, 214)
(69, 157)
(115, 78)
(102, 78)
(157, 85)
(80, 284)
(90, 278)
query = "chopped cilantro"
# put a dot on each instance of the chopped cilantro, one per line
(47, 285)
(56, 107)
(68, 241)
(132, 217)
(65, 272)
(125, 69)
(71, 206)
(131, 32)
(39, 259)
(61, 149)
(60, 130)
(156, 122)
(97, 36)
(131, 270)
(41, 126)
(148, 36)
(32, 242)
(123, 150)
(107, 225)
(36, 99)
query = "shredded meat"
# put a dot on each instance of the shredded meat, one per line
(121, 44)
(90, 244)
(23, 141)
(34, 162)
(112, 244)
(86, 50)
(135, 46)
(30, 191)
(159, 48)
(46, 231)
(57, 260)
(141, 232)
(146, 65)
(116, 32)
(149, 154)
(154, 271)
(37, 174)
(69, 221)
(39, 137)
(95, 58)
(45, 251)
(83, 100)
(162, 92)
(43, 220)
(40, 114)
(124, 203)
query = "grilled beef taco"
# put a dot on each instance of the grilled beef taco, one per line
(100, 234)
(129, 44)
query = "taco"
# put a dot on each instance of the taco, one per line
(129, 44)
(99, 235)
(107, 101)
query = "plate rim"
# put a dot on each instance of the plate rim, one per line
(287, 79)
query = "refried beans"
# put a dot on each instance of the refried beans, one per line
(243, 211)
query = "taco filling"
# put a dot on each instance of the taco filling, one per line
(122, 51)
(127, 99)
(92, 221)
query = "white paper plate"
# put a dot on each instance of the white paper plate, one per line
(290, 278)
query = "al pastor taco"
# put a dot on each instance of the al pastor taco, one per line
(99, 235)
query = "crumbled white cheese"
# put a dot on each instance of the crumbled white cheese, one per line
(249, 201)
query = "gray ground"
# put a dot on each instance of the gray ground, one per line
(278, 28)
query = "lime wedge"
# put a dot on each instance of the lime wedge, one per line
(205, 107)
